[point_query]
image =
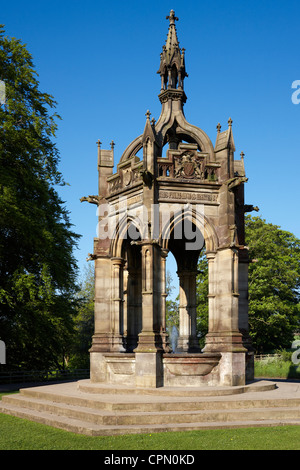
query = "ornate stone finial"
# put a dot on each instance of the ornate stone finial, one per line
(230, 122)
(172, 64)
(153, 121)
(172, 17)
(98, 143)
(242, 155)
(148, 114)
(112, 144)
(219, 127)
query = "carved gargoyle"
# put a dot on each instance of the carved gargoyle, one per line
(236, 181)
(147, 177)
(91, 257)
(250, 208)
(92, 199)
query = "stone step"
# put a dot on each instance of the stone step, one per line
(205, 391)
(82, 427)
(65, 406)
(120, 418)
(105, 402)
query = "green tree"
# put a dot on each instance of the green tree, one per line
(274, 283)
(172, 308)
(274, 286)
(202, 299)
(84, 320)
(37, 267)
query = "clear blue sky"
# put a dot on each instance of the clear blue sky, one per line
(99, 61)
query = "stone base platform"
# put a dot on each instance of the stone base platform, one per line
(102, 409)
(184, 392)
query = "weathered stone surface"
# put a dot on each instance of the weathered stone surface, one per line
(104, 409)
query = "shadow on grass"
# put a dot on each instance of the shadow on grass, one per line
(294, 372)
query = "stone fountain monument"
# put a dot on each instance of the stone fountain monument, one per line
(185, 194)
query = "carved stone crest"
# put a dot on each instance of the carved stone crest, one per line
(187, 166)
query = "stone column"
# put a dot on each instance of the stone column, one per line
(102, 338)
(164, 334)
(211, 290)
(243, 313)
(187, 340)
(117, 304)
(133, 309)
(148, 366)
(125, 303)
(130, 313)
(184, 319)
(192, 307)
(224, 335)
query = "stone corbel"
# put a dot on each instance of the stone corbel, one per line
(91, 257)
(250, 208)
(92, 199)
(236, 181)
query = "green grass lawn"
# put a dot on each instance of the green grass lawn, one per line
(276, 368)
(21, 434)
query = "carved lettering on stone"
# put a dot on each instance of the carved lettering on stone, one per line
(190, 196)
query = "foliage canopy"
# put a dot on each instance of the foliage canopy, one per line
(274, 286)
(37, 266)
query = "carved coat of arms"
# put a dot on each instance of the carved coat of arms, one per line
(187, 166)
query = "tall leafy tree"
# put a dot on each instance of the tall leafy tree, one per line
(202, 299)
(172, 307)
(37, 265)
(84, 320)
(274, 286)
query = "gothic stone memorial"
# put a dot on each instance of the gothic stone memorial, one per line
(185, 194)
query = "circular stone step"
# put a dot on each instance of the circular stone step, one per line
(204, 391)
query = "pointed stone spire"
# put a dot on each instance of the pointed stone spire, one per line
(149, 130)
(150, 147)
(172, 44)
(172, 63)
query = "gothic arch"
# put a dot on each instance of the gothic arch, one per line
(201, 222)
(133, 148)
(121, 231)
